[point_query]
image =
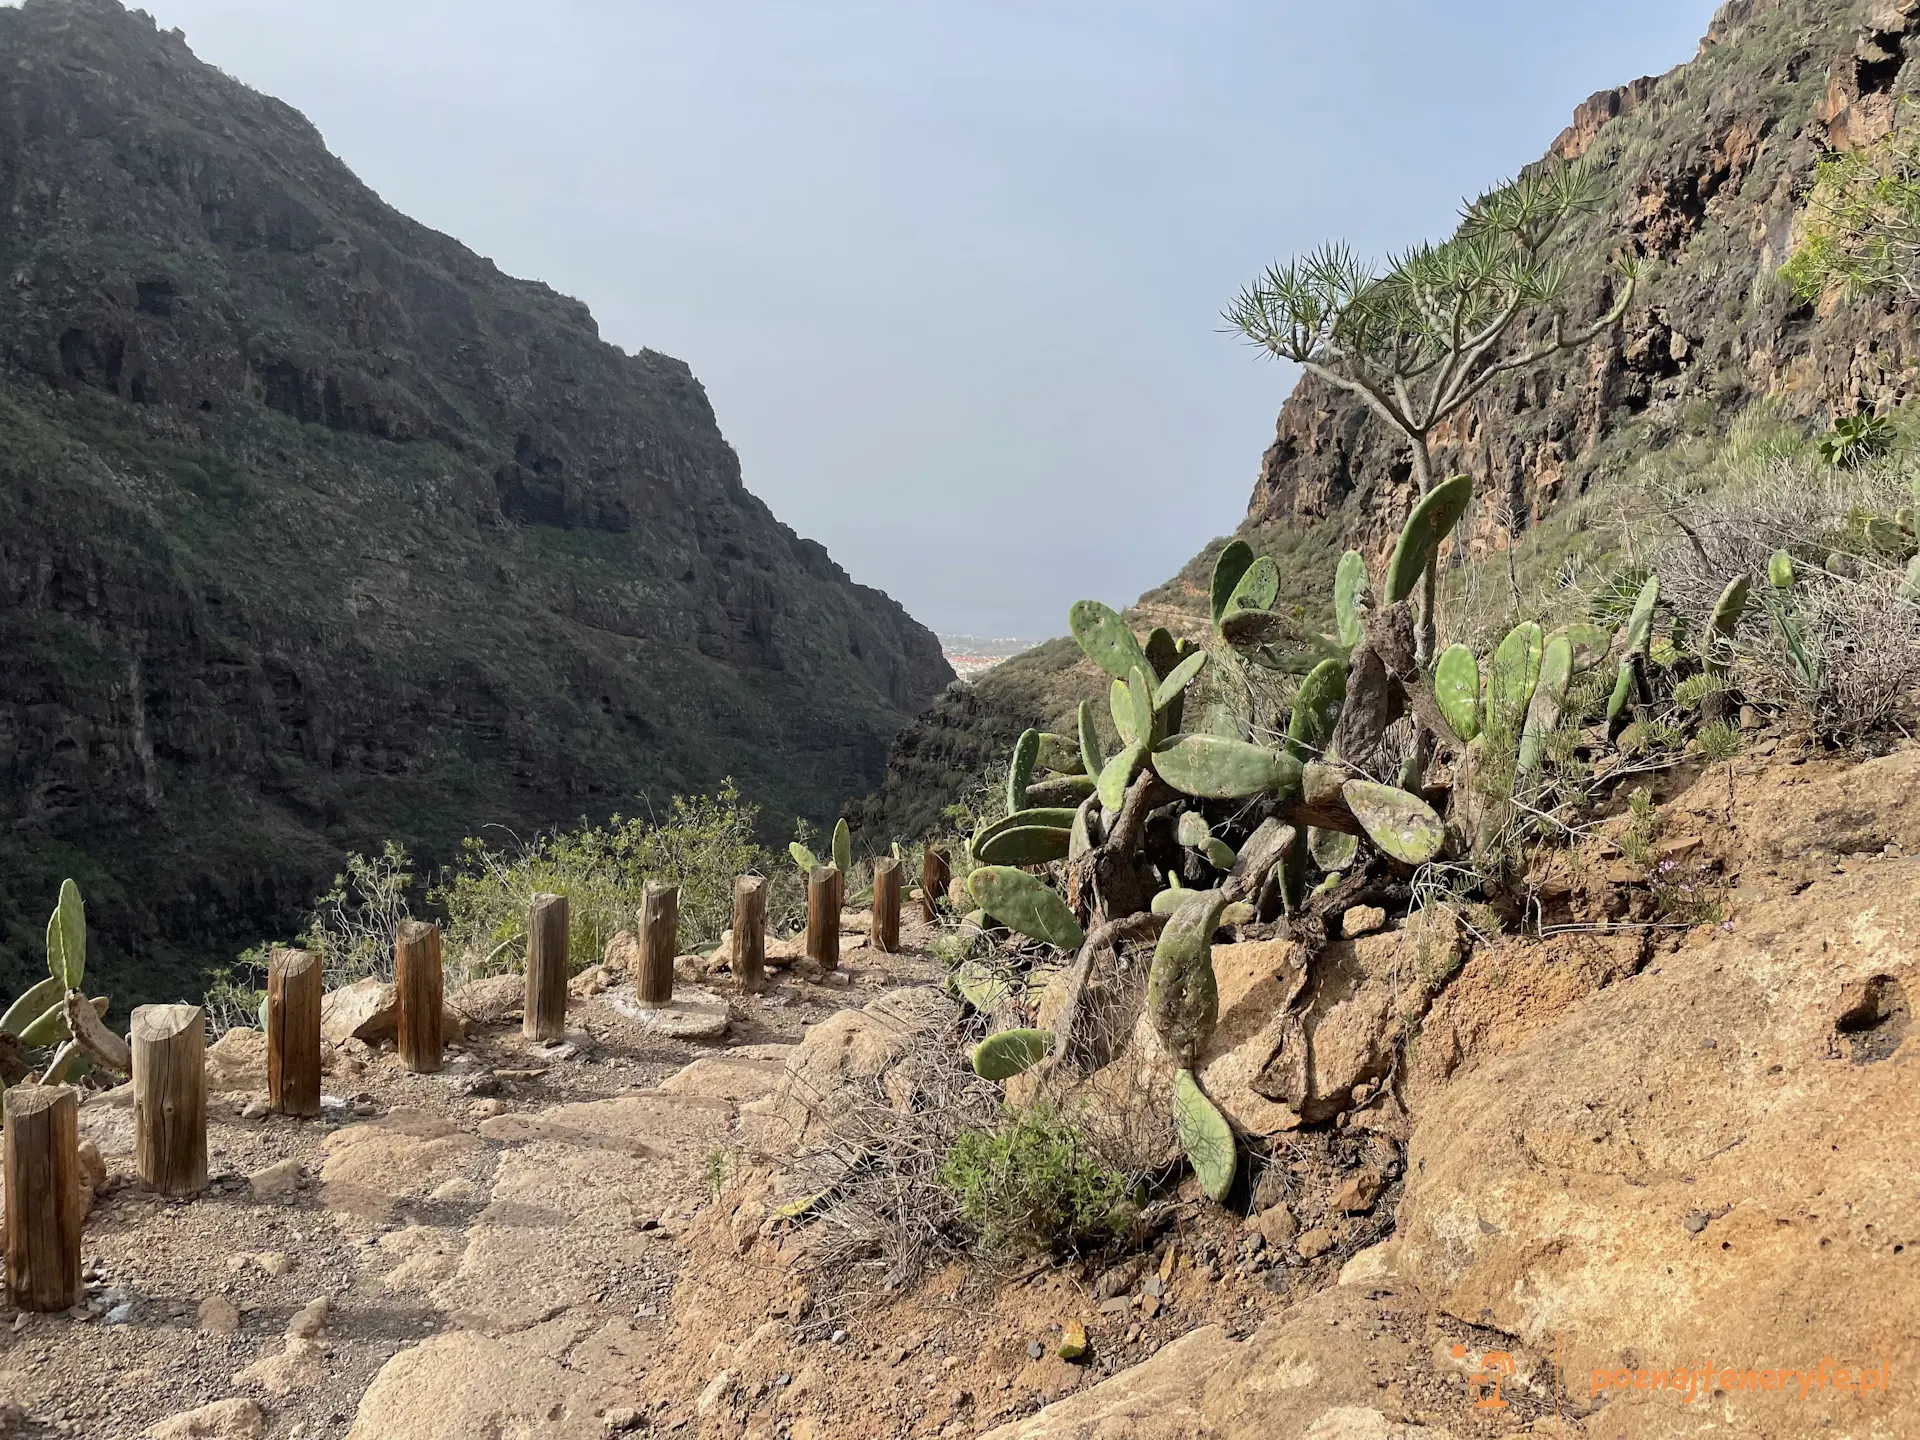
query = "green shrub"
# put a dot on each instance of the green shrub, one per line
(1033, 1186)
(702, 844)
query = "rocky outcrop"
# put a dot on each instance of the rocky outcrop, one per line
(317, 529)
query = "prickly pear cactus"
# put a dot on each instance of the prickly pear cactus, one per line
(1191, 830)
(1316, 710)
(1178, 679)
(1140, 706)
(1105, 638)
(843, 847)
(1120, 707)
(1004, 1054)
(1350, 591)
(1549, 699)
(1026, 755)
(1590, 645)
(1332, 850)
(1512, 676)
(1118, 775)
(979, 986)
(1026, 845)
(1780, 570)
(1090, 756)
(1060, 754)
(1060, 790)
(1022, 902)
(67, 938)
(1726, 620)
(803, 857)
(1400, 823)
(35, 1004)
(1227, 570)
(1431, 522)
(1212, 767)
(1456, 690)
(1182, 999)
(1205, 1136)
(1257, 589)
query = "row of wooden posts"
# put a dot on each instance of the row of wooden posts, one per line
(40, 1166)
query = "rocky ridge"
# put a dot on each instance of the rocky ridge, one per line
(316, 529)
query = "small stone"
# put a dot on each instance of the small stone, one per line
(1118, 1305)
(223, 1420)
(623, 1419)
(277, 1181)
(92, 1166)
(219, 1316)
(255, 1110)
(487, 1109)
(1035, 1350)
(1073, 1341)
(309, 1321)
(1696, 1221)
(839, 1337)
(1315, 1243)
(1149, 1306)
(715, 1392)
(1154, 1286)
(1362, 920)
(1275, 1225)
(1357, 1194)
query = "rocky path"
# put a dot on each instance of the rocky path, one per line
(483, 1252)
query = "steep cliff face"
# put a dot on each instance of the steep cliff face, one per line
(1702, 171)
(316, 528)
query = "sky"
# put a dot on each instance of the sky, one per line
(951, 271)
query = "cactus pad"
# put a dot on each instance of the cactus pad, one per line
(1176, 683)
(979, 986)
(1140, 707)
(1192, 830)
(1257, 589)
(1206, 1137)
(1219, 854)
(1316, 710)
(1590, 645)
(1026, 757)
(843, 847)
(1350, 588)
(1227, 570)
(1212, 767)
(1060, 754)
(1400, 823)
(1182, 999)
(1105, 638)
(1090, 755)
(67, 938)
(1332, 849)
(1061, 790)
(1021, 902)
(1780, 570)
(1549, 698)
(1640, 623)
(1726, 619)
(32, 1004)
(1456, 690)
(1026, 845)
(1003, 1055)
(1118, 775)
(803, 857)
(1431, 522)
(1512, 676)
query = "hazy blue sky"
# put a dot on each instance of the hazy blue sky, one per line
(950, 272)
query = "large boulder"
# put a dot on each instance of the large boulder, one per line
(366, 1010)
(1709, 1166)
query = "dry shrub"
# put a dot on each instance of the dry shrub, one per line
(1859, 638)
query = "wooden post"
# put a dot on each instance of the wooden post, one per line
(886, 905)
(750, 933)
(42, 1183)
(293, 1032)
(170, 1097)
(823, 916)
(935, 875)
(420, 986)
(659, 940)
(544, 1016)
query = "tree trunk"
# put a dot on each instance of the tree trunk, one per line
(169, 1044)
(1430, 581)
(544, 1014)
(42, 1180)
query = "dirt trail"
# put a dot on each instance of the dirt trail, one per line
(513, 1222)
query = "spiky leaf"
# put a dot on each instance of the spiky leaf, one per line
(1105, 638)
(1026, 755)
(1456, 690)
(1316, 710)
(1090, 755)
(1182, 998)
(1549, 699)
(1431, 522)
(1350, 587)
(1118, 775)
(1227, 570)
(1004, 1054)
(1400, 823)
(1512, 676)
(1212, 767)
(1205, 1136)
(1022, 902)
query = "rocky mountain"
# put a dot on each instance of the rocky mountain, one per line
(1702, 171)
(317, 529)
